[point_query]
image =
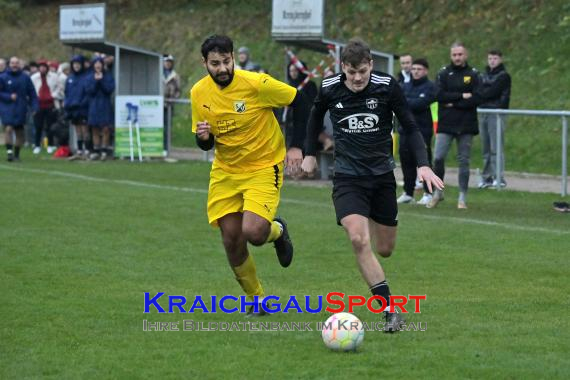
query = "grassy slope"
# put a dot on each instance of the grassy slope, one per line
(72, 282)
(534, 35)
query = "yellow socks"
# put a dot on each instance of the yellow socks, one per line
(246, 275)
(275, 232)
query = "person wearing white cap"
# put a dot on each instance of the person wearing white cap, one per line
(171, 91)
(244, 62)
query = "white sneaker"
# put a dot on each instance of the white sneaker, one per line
(419, 185)
(37, 150)
(435, 199)
(405, 198)
(425, 199)
(50, 149)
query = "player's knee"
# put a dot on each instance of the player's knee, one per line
(385, 250)
(359, 242)
(255, 235)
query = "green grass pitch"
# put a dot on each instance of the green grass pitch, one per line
(80, 243)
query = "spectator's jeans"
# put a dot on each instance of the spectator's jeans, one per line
(442, 144)
(408, 161)
(43, 120)
(488, 131)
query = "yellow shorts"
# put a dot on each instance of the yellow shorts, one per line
(257, 192)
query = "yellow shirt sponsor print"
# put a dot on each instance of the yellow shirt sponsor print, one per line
(248, 136)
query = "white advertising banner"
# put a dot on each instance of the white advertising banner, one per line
(298, 19)
(82, 22)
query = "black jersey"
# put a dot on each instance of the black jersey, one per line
(362, 124)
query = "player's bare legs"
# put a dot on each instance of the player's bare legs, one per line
(234, 241)
(255, 228)
(384, 238)
(358, 229)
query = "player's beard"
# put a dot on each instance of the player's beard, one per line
(225, 82)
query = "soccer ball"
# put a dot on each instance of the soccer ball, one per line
(343, 332)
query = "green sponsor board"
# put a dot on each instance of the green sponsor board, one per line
(151, 142)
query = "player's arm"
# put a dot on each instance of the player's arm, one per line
(204, 138)
(410, 128)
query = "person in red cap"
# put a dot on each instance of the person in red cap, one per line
(45, 83)
(53, 66)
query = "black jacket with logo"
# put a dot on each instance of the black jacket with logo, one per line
(495, 91)
(362, 124)
(457, 115)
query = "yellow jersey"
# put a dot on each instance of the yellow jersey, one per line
(248, 136)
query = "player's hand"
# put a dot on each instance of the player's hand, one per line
(293, 161)
(467, 95)
(309, 164)
(425, 174)
(203, 130)
(14, 96)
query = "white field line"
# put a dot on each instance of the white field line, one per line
(82, 177)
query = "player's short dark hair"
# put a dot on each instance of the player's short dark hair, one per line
(495, 52)
(355, 52)
(421, 61)
(218, 44)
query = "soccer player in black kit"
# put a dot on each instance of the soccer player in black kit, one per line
(361, 103)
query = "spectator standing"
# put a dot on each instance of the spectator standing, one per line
(75, 105)
(244, 60)
(171, 91)
(45, 83)
(495, 93)
(458, 84)
(99, 86)
(299, 114)
(405, 74)
(420, 93)
(16, 93)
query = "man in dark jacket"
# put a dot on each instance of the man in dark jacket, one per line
(99, 87)
(458, 85)
(16, 93)
(420, 93)
(495, 92)
(75, 105)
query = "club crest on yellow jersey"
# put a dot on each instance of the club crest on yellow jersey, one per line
(239, 106)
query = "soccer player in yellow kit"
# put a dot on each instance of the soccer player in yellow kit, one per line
(233, 111)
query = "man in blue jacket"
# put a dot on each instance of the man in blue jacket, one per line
(420, 93)
(16, 92)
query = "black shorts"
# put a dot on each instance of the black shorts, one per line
(371, 196)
